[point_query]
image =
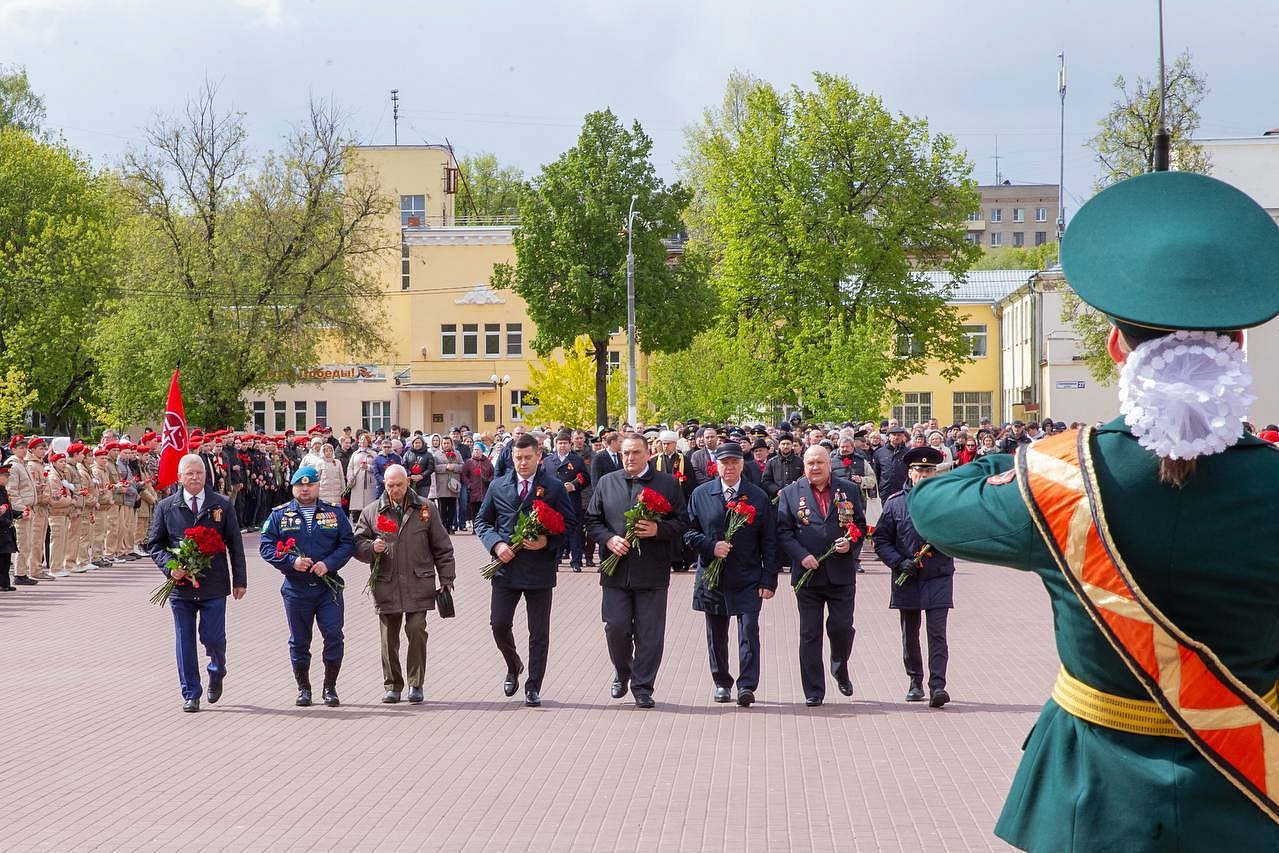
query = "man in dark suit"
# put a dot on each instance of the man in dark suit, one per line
(755, 463)
(747, 579)
(634, 596)
(199, 610)
(809, 523)
(569, 469)
(784, 468)
(529, 572)
(503, 465)
(605, 461)
(890, 470)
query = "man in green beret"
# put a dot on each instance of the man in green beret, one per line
(1153, 536)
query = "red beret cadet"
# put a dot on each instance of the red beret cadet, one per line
(1269, 435)
(74, 448)
(150, 436)
(101, 451)
(17, 441)
(35, 442)
(195, 442)
(112, 445)
(126, 445)
(55, 456)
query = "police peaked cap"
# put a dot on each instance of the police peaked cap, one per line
(923, 457)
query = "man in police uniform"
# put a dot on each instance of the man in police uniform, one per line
(927, 585)
(1119, 760)
(324, 543)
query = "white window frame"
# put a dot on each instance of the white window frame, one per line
(492, 340)
(1041, 214)
(996, 214)
(375, 415)
(448, 340)
(977, 333)
(965, 403)
(409, 207)
(916, 408)
(1019, 214)
(299, 415)
(1019, 239)
(471, 340)
(514, 340)
(996, 239)
(259, 415)
(519, 403)
(406, 273)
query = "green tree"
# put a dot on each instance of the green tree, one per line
(818, 209)
(20, 106)
(1125, 139)
(490, 190)
(570, 265)
(242, 271)
(1025, 258)
(56, 271)
(564, 388)
(16, 396)
(722, 375)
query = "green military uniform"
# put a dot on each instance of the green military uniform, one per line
(1203, 553)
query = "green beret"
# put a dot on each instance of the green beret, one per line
(1175, 250)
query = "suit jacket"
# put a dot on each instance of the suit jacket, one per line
(896, 541)
(649, 566)
(751, 565)
(602, 464)
(172, 516)
(571, 470)
(495, 523)
(781, 471)
(802, 530)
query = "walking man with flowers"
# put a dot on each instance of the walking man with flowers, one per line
(404, 538)
(198, 610)
(747, 575)
(812, 533)
(527, 568)
(634, 592)
(322, 542)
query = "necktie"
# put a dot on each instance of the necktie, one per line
(729, 493)
(613, 456)
(523, 490)
(195, 505)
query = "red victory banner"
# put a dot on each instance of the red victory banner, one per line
(174, 445)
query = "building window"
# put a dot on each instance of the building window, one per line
(299, 415)
(973, 237)
(916, 408)
(514, 340)
(412, 211)
(971, 406)
(281, 411)
(521, 403)
(404, 266)
(1041, 237)
(470, 340)
(975, 216)
(322, 412)
(259, 415)
(1041, 214)
(375, 415)
(907, 345)
(1019, 214)
(1019, 238)
(448, 340)
(996, 214)
(614, 361)
(490, 413)
(977, 339)
(492, 340)
(996, 238)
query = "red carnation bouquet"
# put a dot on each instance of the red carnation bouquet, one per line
(650, 506)
(712, 468)
(918, 562)
(541, 520)
(740, 514)
(194, 555)
(386, 529)
(289, 548)
(851, 532)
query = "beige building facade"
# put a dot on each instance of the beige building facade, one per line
(1014, 216)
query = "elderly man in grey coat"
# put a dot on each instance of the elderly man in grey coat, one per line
(404, 582)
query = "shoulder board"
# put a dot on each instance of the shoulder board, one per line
(894, 495)
(281, 506)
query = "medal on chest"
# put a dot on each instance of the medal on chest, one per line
(802, 512)
(290, 522)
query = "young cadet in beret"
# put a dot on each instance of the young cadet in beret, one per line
(1153, 535)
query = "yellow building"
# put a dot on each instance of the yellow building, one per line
(976, 394)
(460, 350)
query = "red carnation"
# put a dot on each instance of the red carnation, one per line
(712, 468)
(540, 520)
(386, 524)
(550, 520)
(417, 469)
(655, 502)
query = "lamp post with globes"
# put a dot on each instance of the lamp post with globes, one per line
(499, 382)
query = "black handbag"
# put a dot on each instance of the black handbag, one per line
(444, 603)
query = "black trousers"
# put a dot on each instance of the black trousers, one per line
(537, 602)
(836, 604)
(747, 650)
(448, 512)
(6, 561)
(938, 652)
(635, 630)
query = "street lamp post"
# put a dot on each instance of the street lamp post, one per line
(499, 382)
(632, 409)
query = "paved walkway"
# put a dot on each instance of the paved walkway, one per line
(97, 755)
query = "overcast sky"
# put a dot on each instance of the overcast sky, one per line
(515, 78)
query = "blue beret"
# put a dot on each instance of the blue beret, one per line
(306, 474)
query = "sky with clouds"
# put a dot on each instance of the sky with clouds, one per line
(515, 78)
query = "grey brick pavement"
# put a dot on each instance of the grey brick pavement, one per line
(96, 754)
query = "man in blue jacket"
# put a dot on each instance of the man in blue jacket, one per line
(571, 470)
(198, 610)
(923, 582)
(323, 544)
(813, 514)
(748, 577)
(529, 572)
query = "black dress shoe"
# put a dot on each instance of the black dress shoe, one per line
(746, 697)
(619, 688)
(723, 694)
(415, 696)
(940, 697)
(532, 699)
(215, 690)
(23, 580)
(512, 682)
(813, 701)
(840, 671)
(330, 695)
(304, 698)
(191, 706)
(390, 697)
(644, 700)
(915, 693)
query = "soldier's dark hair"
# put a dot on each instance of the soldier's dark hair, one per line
(525, 441)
